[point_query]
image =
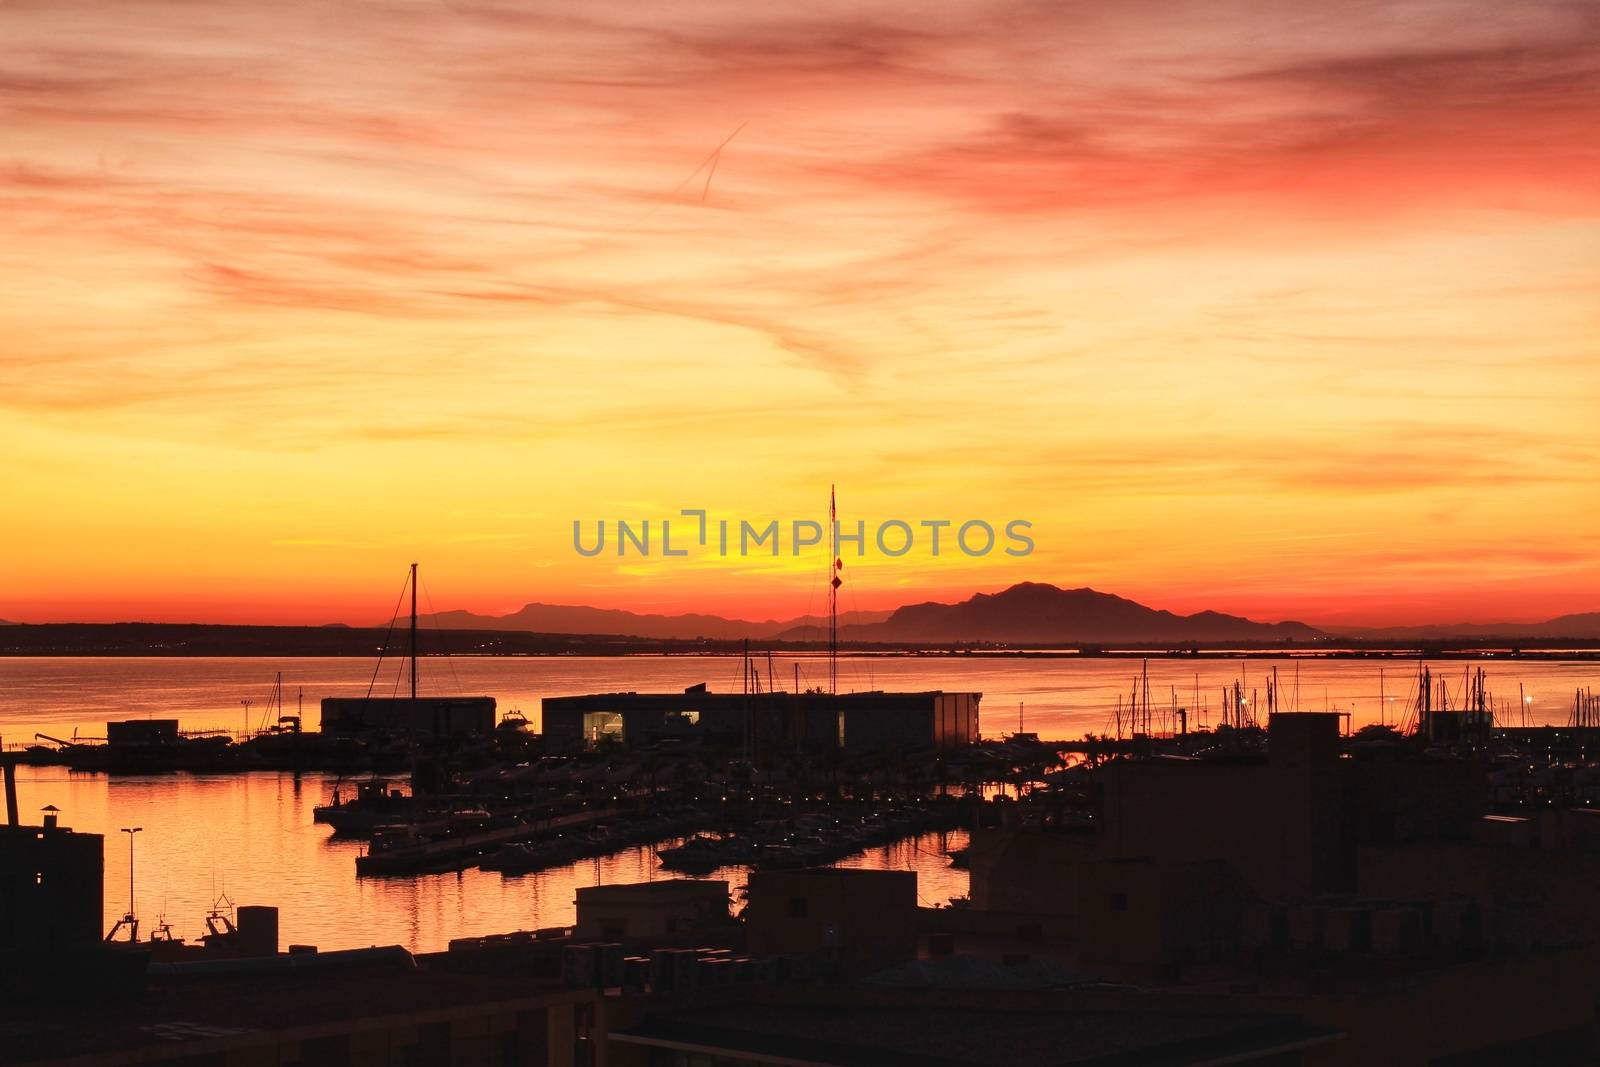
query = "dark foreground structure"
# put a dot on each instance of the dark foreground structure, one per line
(409, 718)
(1357, 887)
(50, 888)
(1312, 901)
(765, 723)
(815, 974)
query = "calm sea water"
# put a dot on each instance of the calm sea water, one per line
(252, 838)
(1059, 696)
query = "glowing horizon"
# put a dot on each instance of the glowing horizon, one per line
(1287, 312)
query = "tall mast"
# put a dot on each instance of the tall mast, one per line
(833, 594)
(413, 631)
(1144, 693)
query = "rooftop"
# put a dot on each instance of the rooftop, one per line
(219, 1008)
(902, 1035)
(696, 692)
(667, 889)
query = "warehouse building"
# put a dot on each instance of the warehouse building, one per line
(421, 717)
(765, 722)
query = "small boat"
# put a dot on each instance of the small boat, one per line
(702, 855)
(376, 803)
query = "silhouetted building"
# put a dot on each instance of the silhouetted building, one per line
(330, 1009)
(133, 732)
(854, 1027)
(1186, 847)
(430, 718)
(1355, 885)
(767, 723)
(668, 908)
(51, 888)
(859, 918)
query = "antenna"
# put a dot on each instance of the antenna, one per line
(414, 632)
(833, 595)
(744, 660)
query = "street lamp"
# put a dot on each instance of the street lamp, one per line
(133, 924)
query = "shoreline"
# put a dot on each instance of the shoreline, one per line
(1562, 650)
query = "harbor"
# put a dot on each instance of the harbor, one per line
(836, 535)
(499, 822)
(1057, 696)
(629, 853)
(253, 837)
(659, 861)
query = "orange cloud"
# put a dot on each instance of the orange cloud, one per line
(1273, 307)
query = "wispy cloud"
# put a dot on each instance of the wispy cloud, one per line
(1088, 262)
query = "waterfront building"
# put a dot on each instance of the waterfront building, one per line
(51, 885)
(669, 908)
(859, 919)
(418, 718)
(766, 722)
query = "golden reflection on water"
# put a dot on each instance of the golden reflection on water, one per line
(1054, 697)
(251, 837)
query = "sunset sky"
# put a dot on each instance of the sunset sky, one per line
(1285, 309)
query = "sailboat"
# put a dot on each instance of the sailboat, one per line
(414, 721)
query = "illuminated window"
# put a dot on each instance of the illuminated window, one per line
(602, 725)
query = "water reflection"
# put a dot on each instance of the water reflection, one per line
(251, 838)
(1054, 697)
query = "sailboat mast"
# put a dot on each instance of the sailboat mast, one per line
(834, 581)
(413, 631)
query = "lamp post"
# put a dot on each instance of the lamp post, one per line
(133, 924)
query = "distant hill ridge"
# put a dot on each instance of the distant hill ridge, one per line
(575, 619)
(1038, 613)
(1028, 613)
(1580, 626)
(1031, 613)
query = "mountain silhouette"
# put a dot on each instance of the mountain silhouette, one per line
(1580, 626)
(1029, 613)
(576, 619)
(1035, 613)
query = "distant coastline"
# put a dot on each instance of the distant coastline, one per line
(1028, 617)
(203, 639)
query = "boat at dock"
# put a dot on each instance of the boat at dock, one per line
(377, 802)
(598, 840)
(145, 746)
(703, 854)
(809, 840)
